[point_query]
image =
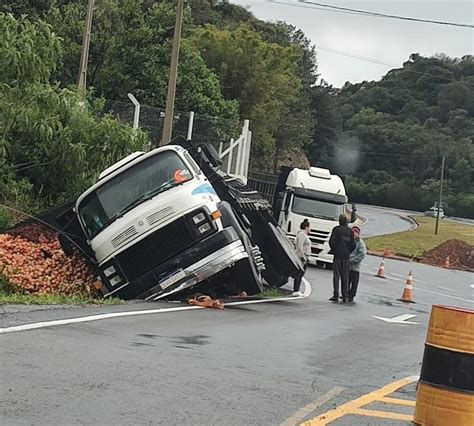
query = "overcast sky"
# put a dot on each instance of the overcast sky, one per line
(386, 40)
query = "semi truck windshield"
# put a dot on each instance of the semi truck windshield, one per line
(316, 208)
(130, 188)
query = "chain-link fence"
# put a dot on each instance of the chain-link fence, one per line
(208, 129)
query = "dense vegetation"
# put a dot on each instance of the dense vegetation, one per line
(387, 136)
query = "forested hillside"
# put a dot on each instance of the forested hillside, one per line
(387, 137)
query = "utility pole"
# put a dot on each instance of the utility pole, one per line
(169, 112)
(82, 77)
(440, 195)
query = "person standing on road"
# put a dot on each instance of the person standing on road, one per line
(342, 244)
(356, 258)
(303, 249)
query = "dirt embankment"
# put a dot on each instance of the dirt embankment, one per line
(459, 254)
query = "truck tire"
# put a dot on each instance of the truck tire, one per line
(248, 277)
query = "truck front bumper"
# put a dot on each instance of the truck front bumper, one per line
(200, 262)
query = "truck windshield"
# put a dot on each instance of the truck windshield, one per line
(133, 186)
(319, 209)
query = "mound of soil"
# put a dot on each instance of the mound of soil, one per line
(461, 255)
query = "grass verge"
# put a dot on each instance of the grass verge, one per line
(272, 292)
(415, 243)
(48, 299)
(12, 295)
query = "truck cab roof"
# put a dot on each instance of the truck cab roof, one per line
(316, 178)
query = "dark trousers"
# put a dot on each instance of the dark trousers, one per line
(299, 277)
(340, 269)
(353, 283)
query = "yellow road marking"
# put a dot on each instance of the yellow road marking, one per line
(398, 401)
(382, 414)
(308, 409)
(356, 404)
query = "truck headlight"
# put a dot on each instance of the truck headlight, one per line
(199, 218)
(204, 228)
(115, 280)
(109, 271)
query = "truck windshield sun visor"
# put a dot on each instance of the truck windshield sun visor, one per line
(133, 186)
(319, 195)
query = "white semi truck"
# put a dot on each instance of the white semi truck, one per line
(168, 222)
(314, 194)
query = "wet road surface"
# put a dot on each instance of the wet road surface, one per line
(257, 364)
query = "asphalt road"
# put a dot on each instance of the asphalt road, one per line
(380, 221)
(255, 364)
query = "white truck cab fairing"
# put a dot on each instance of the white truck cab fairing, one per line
(314, 194)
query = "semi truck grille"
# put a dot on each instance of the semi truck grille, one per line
(157, 248)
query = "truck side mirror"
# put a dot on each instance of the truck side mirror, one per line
(354, 213)
(286, 207)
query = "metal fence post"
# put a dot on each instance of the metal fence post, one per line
(247, 157)
(190, 125)
(136, 115)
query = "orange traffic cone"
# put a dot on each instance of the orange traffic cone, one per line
(381, 271)
(446, 262)
(407, 295)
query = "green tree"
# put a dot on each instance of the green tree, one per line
(52, 145)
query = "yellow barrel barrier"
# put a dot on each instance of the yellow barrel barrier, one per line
(445, 394)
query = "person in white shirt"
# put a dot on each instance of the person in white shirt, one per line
(303, 249)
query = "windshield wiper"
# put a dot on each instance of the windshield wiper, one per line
(144, 197)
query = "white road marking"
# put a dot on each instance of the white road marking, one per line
(45, 324)
(444, 288)
(443, 294)
(472, 285)
(400, 319)
(405, 276)
(296, 418)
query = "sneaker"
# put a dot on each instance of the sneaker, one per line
(297, 293)
(351, 300)
(334, 299)
(344, 300)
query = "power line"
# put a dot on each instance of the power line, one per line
(328, 7)
(388, 64)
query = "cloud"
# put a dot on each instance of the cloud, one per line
(387, 40)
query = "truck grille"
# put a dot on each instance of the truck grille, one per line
(157, 248)
(318, 237)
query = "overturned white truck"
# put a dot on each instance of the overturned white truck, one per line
(169, 222)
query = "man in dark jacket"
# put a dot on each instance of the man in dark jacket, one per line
(342, 243)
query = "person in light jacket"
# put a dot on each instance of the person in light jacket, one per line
(303, 249)
(356, 258)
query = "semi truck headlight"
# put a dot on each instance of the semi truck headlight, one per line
(204, 228)
(115, 280)
(199, 218)
(109, 271)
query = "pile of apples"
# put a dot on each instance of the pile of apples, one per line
(31, 259)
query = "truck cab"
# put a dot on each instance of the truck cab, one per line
(145, 218)
(314, 194)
